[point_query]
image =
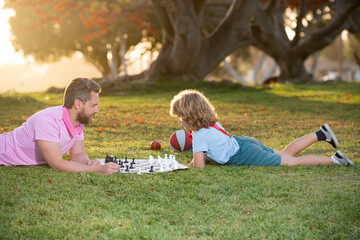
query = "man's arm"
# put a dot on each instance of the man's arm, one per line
(52, 154)
(199, 160)
(77, 154)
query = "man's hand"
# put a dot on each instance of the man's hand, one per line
(52, 154)
(94, 162)
(110, 168)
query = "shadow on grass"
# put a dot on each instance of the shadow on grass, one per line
(12, 105)
(338, 105)
(9, 101)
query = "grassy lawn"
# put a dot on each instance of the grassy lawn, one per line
(220, 202)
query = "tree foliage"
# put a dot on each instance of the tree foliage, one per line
(51, 29)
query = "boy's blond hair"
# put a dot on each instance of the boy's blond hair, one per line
(194, 109)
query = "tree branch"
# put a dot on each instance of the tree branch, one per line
(299, 23)
(199, 7)
(231, 33)
(268, 35)
(268, 8)
(161, 13)
(328, 33)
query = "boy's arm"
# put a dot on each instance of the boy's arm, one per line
(199, 160)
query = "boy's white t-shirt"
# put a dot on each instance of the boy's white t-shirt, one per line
(216, 145)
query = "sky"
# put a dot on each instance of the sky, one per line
(24, 75)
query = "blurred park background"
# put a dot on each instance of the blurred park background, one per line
(46, 43)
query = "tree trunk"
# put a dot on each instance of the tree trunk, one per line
(293, 71)
(186, 54)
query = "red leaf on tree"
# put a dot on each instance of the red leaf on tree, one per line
(87, 23)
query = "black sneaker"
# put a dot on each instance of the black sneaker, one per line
(330, 136)
(342, 158)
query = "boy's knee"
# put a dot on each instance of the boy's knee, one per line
(286, 160)
(283, 153)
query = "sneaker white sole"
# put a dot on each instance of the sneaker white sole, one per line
(332, 135)
(345, 157)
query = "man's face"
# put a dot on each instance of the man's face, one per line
(89, 109)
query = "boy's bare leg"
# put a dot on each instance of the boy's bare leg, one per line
(309, 160)
(298, 145)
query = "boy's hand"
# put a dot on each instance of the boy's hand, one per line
(199, 160)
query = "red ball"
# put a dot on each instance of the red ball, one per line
(155, 145)
(180, 141)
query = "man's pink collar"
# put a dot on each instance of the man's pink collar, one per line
(69, 124)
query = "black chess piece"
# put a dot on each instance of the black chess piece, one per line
(152, 169)
(133, 161)
(126, 161)
(115, 160)
(131, 166)
(107, 158)
(127, 168)
(121, 164)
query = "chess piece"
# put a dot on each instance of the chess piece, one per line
(126, 161)
(162, 169)
(121, 164)
(151, 159)
(127, 168)
(107, 158)
(166, 163)
(131, 166)
(174, 162)
(133, 161)
(151, 169)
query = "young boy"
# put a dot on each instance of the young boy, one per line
(212, 143)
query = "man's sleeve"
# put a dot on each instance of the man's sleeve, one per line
(81, 135)
(46, 127)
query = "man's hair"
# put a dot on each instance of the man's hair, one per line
(79, 88)
(194, 109)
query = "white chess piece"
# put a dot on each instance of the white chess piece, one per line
(151, 160)
(162, 169)
(174, 162)
(160, 161)
(166, 163)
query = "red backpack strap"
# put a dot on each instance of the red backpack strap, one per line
(220, 129)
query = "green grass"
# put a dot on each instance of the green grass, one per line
(220, 202)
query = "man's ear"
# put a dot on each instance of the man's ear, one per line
(77, 104)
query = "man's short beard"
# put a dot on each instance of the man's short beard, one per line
(83, 119)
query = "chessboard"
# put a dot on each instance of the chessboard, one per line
(151, 165)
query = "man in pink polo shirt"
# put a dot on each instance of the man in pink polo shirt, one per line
(49, 134)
